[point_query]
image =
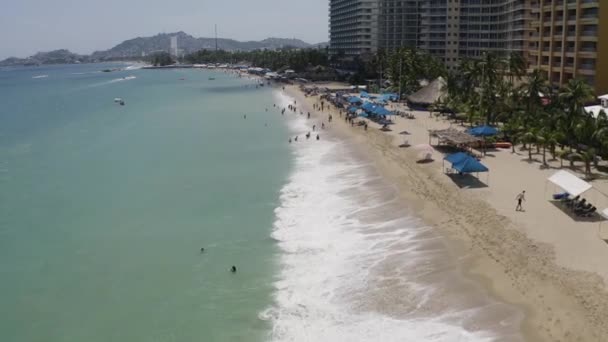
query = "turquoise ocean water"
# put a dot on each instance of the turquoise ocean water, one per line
(104, 208)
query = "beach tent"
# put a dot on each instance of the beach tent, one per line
(354, 99)
(483, 131)
(469, 165)
(569, 183)
(456, 157)
(464, 163)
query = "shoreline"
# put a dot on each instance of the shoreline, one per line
(559, 304)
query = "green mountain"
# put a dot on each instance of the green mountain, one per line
(141, 46)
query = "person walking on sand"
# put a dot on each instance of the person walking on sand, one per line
(520, 198)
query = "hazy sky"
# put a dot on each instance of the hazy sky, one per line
(82, 26)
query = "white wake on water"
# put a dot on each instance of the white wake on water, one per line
(354, 267)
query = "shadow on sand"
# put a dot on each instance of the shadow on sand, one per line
(467, 181)
(594, 218)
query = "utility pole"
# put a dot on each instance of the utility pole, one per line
(215, 37)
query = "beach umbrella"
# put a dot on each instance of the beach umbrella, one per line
(382, 111)
(483, 131)
(425, 151)
(354, 99)
(424, 147)
(352, 109)
(368, 106)
(363, 115)
(364, 94)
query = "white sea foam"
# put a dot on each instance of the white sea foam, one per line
(127, 78)
(86, 73)
(356, 267)
(116, 80)
(134, 67)
(40, 76)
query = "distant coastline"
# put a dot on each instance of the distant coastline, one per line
(138, 48)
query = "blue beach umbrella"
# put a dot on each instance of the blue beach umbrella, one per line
(352, 110)
(382, 111)
(354, 99)
(368, 106)
(483, 131)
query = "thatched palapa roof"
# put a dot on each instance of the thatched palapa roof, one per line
(430, 94)
(453, 136)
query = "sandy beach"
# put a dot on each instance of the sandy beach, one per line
(540, 259)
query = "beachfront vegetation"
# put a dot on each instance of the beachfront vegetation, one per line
(497, 90)
(161, 59)
(298, 60)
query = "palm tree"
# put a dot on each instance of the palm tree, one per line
(586, 157)
(547, 138)
(563, 155)
(517, 65)
(529, 137)
(573, 97)
(488, 74)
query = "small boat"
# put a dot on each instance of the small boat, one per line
(211, 78)
(119, 101)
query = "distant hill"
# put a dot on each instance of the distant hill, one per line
(187, 44)
(52, 57)
(141, 46)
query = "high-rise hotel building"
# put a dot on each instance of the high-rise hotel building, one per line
(353, 28)
(453, 29)
(563, 38)
(570, 40)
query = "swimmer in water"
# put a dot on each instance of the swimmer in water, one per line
(233, 269)
(245, 116)
(202, 249)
